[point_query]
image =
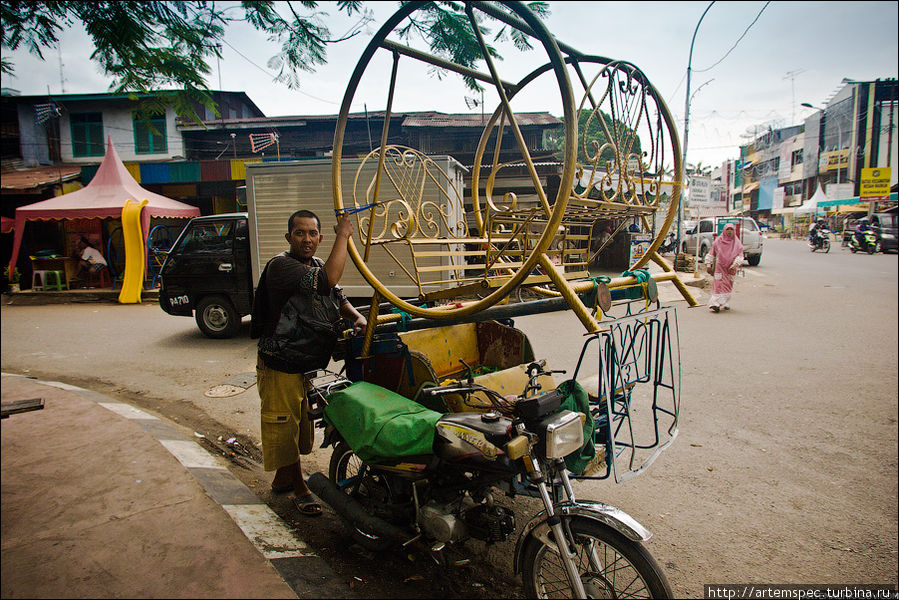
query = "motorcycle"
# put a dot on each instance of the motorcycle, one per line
(819, 240)
(868, 244)
(443, 491)
(669, 244)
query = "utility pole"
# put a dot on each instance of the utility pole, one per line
(62, 77)
(680, 204)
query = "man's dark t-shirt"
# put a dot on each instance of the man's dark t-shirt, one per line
(284, 275)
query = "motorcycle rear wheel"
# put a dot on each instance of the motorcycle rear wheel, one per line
(343, 467)
(626, 567)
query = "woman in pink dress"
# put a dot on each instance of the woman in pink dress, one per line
(727, 254)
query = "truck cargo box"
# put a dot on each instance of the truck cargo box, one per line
(276, 190)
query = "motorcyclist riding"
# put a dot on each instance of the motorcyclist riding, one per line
(860, 230)
(815, 232)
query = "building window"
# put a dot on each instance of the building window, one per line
(149, 135)
(87, 134)
(797, 157)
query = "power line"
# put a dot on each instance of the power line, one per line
(272, 75)
(680, 83)
(735, 43)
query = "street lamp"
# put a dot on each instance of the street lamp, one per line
(680, 205)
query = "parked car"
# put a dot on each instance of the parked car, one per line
(698, 239)
(884, 226)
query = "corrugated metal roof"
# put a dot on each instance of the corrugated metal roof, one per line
(410, 119)
(30, 179)
(436, 119)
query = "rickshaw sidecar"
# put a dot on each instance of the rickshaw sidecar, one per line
(404, 362)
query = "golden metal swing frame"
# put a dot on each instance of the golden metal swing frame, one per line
(393, 212)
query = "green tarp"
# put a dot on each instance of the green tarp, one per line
(577, 400)
(378, 423)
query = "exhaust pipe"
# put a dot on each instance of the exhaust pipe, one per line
(352, 512)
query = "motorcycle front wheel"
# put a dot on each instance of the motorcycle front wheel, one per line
(826, 246)
(610, 565)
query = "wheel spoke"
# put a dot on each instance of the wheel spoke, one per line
(383, 148)
(434, 261)
(508, 112)
(605, 571)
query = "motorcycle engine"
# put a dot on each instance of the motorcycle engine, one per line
(486, 522)
(490, 523)
(441, 524)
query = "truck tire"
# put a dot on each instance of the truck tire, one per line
(217, 318)
(703, 251)
(754, 260)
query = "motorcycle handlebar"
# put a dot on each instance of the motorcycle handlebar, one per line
(452, 389)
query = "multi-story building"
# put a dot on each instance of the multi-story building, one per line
(856, 129)
(782, 168)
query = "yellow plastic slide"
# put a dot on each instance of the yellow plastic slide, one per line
(133, 281)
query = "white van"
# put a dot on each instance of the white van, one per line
(698, 238)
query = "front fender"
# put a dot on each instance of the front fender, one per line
(605, 514)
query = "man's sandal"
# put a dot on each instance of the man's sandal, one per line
(308, 505)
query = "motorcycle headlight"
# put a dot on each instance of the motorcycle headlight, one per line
(564, 434)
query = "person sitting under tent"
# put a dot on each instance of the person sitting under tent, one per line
(89, 258)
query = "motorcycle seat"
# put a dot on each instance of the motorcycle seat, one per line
(379, 424)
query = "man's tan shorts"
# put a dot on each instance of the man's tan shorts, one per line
(286, 429)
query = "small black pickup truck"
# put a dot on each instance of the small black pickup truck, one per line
(207, 274)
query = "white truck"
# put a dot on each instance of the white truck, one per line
(700, 235)
(212, 269)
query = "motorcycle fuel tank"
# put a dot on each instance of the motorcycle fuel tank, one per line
(479, 437)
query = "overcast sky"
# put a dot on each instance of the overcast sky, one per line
(794, 52)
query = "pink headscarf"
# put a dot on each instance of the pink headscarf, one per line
(727, 249)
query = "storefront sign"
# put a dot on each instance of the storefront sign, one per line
(875, 184)
(700, 191)
(836, 159)
(735, 221)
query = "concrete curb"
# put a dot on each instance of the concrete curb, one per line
(276, 541)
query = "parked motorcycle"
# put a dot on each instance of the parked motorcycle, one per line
(669, 244)
(444, 491)
(868, 244)
(819, 240)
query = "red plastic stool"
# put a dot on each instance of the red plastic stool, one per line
(102, 275)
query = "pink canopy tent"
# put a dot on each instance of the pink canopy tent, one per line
(103, 198)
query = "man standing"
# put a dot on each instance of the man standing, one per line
(296, 318)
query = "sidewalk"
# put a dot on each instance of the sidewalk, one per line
(100, 499)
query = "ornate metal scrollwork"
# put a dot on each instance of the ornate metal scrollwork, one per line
(621, 172)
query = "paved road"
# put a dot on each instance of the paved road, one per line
(785, 468)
